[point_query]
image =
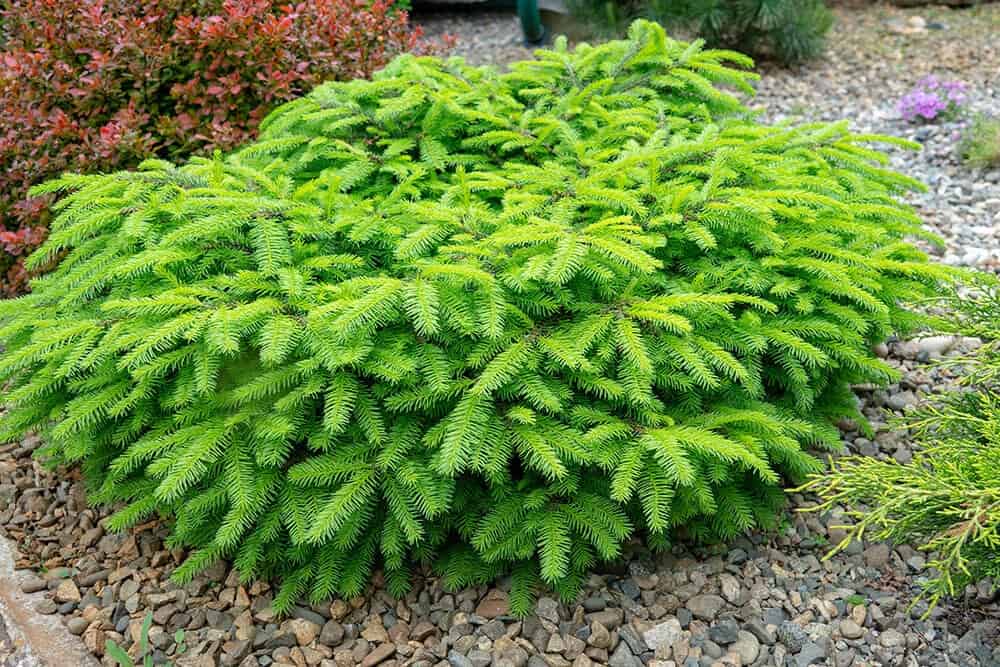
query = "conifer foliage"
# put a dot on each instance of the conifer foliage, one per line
(491, 323)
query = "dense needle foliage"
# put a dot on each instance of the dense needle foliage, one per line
(487, 322)
(947, 499)
(791, 31)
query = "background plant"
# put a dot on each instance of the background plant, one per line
(90, 86)
(791, 31)
(980, 145)
(484, 322)
(947, 500)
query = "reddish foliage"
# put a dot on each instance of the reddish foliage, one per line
(91, 85)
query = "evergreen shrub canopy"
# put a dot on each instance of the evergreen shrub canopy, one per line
(487, 322)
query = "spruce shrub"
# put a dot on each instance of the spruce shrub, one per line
(491, 323)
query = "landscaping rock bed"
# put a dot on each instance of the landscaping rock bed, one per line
(768, 599)
(484, 38)
(28, 638)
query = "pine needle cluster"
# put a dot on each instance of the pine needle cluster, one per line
(489, 323)
(790, 31)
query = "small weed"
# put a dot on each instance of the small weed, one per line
(118, 654)
(980, 146)
(179, 641)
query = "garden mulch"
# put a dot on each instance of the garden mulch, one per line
(766, 599)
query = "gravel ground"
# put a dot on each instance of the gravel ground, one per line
(763, 600)
(27, 638)
(484, 38)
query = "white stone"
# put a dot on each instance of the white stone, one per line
(730, 588)
(663, 634)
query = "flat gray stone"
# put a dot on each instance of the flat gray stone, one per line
(623, 657)
(706, 607)
(811, 654)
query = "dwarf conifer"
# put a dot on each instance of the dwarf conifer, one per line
(488, 322)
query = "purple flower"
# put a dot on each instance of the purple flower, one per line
(919, 103)
(955, 91)
(929, 82)
(932, 97)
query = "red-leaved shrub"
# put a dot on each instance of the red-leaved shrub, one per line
(89, 85)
